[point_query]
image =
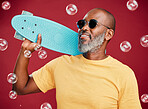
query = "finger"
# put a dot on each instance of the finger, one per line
(24, 39)
(39, 39)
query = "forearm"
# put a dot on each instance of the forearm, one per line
(21, 71)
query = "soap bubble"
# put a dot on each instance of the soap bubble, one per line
(12, 94)
(132, 5)
(42, 54)
(11, 78)
(3, 44)
(71, 9)
(45, 106)
(144, 41)
(6, 5)
(27, 53)
(37, 47)
(125, 46)
(144, 98)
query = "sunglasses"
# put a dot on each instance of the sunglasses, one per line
(92, 24)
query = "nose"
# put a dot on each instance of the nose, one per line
(85, 27)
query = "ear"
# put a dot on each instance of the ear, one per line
(109, 34)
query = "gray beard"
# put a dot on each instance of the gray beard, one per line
(93, 45)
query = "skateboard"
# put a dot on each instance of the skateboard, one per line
(55, 36)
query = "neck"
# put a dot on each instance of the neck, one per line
(95, 55)
(98, 54)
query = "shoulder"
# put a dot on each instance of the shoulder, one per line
(63, 58)
(125, 75)
(124, 69)
(70, 58)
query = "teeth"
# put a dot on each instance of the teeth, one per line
(84, 36)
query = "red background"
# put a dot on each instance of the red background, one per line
(131, 26)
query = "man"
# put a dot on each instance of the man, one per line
(92, 80)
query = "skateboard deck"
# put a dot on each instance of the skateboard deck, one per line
(55, 36)
(17, 35)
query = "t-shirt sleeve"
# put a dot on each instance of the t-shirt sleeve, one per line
(44, 77)
(129, 95)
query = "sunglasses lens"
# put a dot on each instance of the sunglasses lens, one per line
(92, 23)
(80, 24)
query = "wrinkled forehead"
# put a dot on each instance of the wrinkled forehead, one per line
(96, 14)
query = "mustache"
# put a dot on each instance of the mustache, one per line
(83, 31)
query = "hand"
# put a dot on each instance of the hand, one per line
(28, 45)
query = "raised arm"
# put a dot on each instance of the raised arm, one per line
(25, 84)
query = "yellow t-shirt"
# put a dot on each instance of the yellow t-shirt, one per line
(89, 84)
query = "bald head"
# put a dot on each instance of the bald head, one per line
(109, 19)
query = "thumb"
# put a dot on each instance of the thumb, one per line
(39, 38)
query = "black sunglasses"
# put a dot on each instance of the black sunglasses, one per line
(92, 24)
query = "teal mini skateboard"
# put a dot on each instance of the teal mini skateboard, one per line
(54, 35)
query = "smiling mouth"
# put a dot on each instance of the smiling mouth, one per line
(84, 35)
(84, 38)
